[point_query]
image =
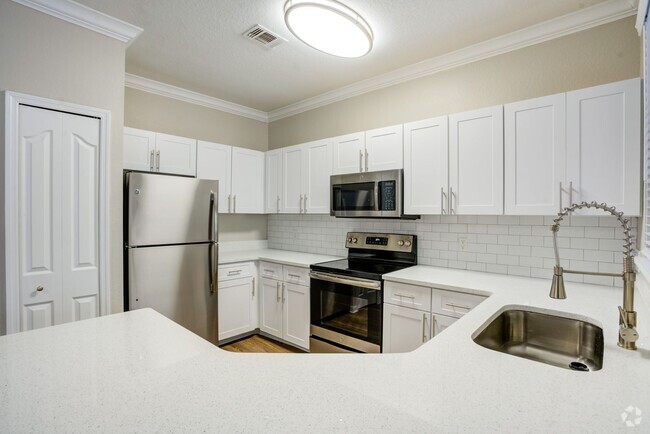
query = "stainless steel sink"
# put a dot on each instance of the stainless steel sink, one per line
(564, 342)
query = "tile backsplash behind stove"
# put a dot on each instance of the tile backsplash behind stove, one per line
(515, 245)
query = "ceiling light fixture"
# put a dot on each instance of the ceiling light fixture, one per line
(329, 26)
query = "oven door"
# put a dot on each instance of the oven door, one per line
(346, 311)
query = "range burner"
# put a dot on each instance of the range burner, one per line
(346, 295)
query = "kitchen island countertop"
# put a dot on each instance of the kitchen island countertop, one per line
(140, 372)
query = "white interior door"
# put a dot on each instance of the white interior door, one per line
(247, 181)
(384, 147)
(175, 155)
(426, 166)
(80, 221)
(348, 153)
(138, 149)
(270, 292)
(476, 161)
(273, 182)
(316, 177)
(213, 162)
(535, 155)
(292, 178)
(604, 145)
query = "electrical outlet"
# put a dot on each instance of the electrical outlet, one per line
(462, 243)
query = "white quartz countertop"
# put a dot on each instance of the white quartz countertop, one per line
(298, 259)
(140, 372)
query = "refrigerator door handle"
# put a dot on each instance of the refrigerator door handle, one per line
(213, 269)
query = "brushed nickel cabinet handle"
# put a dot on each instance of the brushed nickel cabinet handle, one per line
(451, 201)
(234, 203)
(151, 160)
(234, 273)
(366, 160)
(277, 291)
(459, 306)
(278, 203)
(284, 288)
(360, 160)
(305, 205)
(158, 161)
(442, 200)
(253, 287)
(561, 191)
(229, 201)
(570, 193)
(412, 297)
(424, 327)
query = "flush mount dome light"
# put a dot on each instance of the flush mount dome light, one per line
(328, 26)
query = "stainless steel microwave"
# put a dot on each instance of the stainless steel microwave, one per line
(368, 194)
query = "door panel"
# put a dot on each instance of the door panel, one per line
(348, 153)
(426, 166)
(168, 210)
(213, 162)
(247, 181)
(36, 316)
(404, 329)
(271, 307)
(176, 155)
(385, 148)
(317, 177)
(292, 179)
(175, 281)
(138, 149)
(273, 182)
(296, 314)
(85, 307)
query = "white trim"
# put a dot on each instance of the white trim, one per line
(169, 91)
(601, 13)
(641, 13)
(86, 17)
(12, 102)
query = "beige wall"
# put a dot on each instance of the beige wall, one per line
(47, 57)
(166, 115)
(603, 54)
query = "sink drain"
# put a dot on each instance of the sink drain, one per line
(578, 366)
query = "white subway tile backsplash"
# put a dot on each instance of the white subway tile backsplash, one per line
(516, 245)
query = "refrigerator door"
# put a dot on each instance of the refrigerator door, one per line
(177, 281)
(169, 209)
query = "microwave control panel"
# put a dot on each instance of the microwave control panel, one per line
(387, 195)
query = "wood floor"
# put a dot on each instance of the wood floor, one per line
(259, 344)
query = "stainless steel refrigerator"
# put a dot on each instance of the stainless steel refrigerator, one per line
(171, 249)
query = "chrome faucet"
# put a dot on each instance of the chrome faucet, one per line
(627, 334)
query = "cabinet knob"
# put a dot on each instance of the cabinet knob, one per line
(39, 288)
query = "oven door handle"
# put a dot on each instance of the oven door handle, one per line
(354, 281)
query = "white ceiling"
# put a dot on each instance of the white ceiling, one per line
(198, 44)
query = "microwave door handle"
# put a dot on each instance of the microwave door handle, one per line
(378, 206)
(360, 160)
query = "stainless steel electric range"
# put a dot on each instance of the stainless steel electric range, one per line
(346, 295)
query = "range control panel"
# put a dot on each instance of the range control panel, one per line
(392, 242)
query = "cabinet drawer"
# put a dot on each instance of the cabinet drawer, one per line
(417, 297)
(455, 304)
(271, 270)
(235, 271)
(296, 275)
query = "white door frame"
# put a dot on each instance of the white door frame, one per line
(11, 215)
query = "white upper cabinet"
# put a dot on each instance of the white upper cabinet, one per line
(426, 166)
(240, 173)
(316, 177)
(306, 173)
(476, 161)
(156, 152)
(384, 149)
(535, 155)
(247, 181)
(213, 162)
(369, 151)
(272, 202)
(604, 145)
(349, 153)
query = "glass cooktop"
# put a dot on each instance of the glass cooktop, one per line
(369, 269)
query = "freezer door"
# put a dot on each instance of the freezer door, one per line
(166, 209)
(176, 282)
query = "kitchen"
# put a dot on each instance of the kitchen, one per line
(415, 389)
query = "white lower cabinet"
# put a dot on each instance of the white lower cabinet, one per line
(284, 303)
(237, 300)
(414, 314)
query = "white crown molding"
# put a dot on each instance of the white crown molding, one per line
(84, 16)
(586, 18)
(642, 11)
(169, 91)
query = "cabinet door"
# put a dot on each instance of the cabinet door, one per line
(175, 155)
(213, 162)
(476, 161)
(273, 182)
(296, 315)
(236, 313)
(316, 177)
(535, 147)
(384, 148)
(404, 329)
(604, 145)
(426, 166)
(270, 305)
(247, 181)
(348, 153)
(138, 149)
(292, 195)
(440, 323)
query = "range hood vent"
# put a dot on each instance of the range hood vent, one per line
(263, 36)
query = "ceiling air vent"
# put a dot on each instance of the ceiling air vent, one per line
(263, 36)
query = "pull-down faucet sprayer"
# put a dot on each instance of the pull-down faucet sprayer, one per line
(627, 335)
